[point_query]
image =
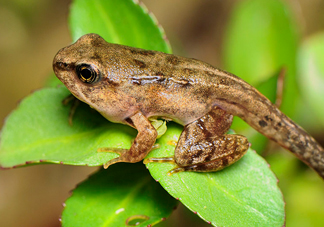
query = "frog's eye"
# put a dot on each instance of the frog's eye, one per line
(87, 73)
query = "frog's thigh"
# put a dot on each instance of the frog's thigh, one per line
(203, 145)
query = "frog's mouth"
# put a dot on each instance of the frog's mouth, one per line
(62, 72)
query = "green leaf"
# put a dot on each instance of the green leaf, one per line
(244, 194)
(159, 125)
(261, 39)
(38, 131)
(311, 74)
(110, 197)
(124, 22)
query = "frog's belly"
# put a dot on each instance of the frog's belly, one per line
(182, 104)
(181, 112)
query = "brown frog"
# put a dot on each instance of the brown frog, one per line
(130, 85)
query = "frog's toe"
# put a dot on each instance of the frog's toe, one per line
(163, 159)
(119, 151)
(112, 161)
(176, 170)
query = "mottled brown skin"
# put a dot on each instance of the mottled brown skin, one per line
(134, 84)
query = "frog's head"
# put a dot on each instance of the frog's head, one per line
(79, 65)
(90, 69)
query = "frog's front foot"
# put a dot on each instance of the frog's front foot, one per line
(119, 151)
(75, 103)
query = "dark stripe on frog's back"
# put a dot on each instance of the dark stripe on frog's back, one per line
(136, 51)
(185, 72)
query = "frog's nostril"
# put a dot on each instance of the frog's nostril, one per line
(61, 65)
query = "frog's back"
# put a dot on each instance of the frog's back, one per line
(166, 85)
(183, 89)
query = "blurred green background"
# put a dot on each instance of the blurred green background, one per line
(32, 31)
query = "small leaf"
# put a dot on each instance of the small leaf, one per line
(244, 194)
(160, 126)
(110, 197)
(124, 22)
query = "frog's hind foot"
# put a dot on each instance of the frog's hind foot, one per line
(177, 169)
(112, 150)
(165, 160)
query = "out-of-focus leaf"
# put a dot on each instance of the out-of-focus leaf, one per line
(311, 74)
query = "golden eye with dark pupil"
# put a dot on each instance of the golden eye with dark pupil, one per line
(87, 73)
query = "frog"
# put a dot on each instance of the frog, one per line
(130, 86)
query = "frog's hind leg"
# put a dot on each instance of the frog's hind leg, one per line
(215, 155)
(203, 145)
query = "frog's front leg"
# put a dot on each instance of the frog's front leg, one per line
(142, 144)
(203, 145)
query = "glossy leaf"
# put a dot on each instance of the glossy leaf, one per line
(311, 74)
(38, 131)
(244, 194)
(261, 39)
(124, 22)
(110, 197)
